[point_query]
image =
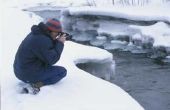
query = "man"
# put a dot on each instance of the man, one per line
(41, 48)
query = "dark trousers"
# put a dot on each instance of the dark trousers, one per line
(53, 74)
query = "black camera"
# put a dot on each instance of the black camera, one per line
(68, 36)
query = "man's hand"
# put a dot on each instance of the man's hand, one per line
(62, 38)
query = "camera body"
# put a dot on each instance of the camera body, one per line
(68, 36)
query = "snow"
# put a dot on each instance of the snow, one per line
(137, 36)
(160, 32)
(23, 4)
(99, 41)
(133, 13)
(0, 40)
(86, 56)
(78, 91)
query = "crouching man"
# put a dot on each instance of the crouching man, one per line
(37, 53)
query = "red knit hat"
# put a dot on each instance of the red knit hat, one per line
(54, 25)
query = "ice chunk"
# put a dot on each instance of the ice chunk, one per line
(84, 24)
(115, 44)
(98, 41)
(104, 70)
(85, 35)
(159, 32)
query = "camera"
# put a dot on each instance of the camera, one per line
(68, 36)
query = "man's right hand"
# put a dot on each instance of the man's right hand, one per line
(62, 38)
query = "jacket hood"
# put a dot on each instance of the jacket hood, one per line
(40, 29)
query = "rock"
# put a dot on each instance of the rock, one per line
(137, 39)
(147, 45)
(159, 52)
(145, 42)
(92, 32)
(123, 38)
(167, 60)
(108, 35)
(159, 55)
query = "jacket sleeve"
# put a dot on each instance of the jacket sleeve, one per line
(49, 53)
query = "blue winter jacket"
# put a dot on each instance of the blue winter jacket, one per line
(36, 53)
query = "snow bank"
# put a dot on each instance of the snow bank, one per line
(78, 91)
(157, 34)
(23, 4)
(0, 40)
(160, 32)
(132, 13)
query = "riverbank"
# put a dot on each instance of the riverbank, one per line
(144, 80)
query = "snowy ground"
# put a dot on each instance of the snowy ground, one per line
(78, 91)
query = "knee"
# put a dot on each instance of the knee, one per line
(59, 70)
(59, 76)
(64, 72)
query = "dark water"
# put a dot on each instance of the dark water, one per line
(145, 81)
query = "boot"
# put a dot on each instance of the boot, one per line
(32, 88)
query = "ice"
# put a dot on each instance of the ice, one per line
(143, 41)
(168, 57)
(115, 44)
(99, 41)
(160, 32)
(114, 28)
(137, 37)
(144, 29)
(83, 25)
(167, 60)
(104, 70)
(84, 35)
